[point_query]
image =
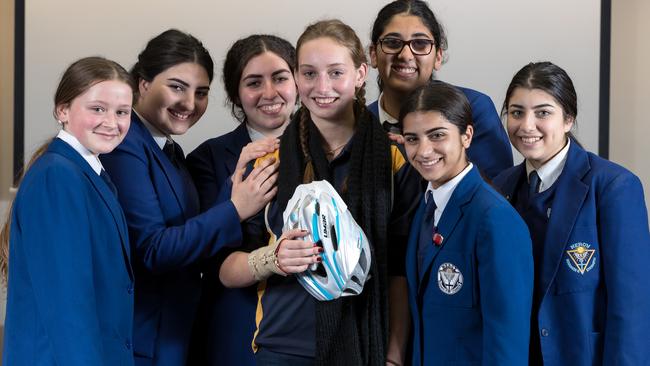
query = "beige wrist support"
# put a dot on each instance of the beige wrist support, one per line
(263, 262)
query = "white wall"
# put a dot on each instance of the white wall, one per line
(629, 93)
(489, 41)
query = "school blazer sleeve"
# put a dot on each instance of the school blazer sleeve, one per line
(625, 247)
(209, 174)
(490, 149)
(506, 286)
(163, 247)
(55, 220)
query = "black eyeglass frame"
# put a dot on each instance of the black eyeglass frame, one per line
(405, 43)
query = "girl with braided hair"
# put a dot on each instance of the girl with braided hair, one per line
(333, 137)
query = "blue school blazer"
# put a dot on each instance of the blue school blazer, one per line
(169, 238)
(226, 320)
(594, 310)
(70, 290)
(490, 149)
(486, 318)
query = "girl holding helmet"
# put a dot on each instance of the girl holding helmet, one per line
(469, 261)
(334, 138)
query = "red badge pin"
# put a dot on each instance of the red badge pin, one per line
(437, 239)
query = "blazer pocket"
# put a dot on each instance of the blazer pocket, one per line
(451, 280)
(579, 268)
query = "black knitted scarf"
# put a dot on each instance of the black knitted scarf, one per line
(350, 330)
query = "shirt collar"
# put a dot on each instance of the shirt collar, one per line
(550, 172)
(442, 194)
(383, 115)
(91, 158)
(253, 133)
(159, 137)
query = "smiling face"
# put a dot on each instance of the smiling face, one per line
(537, 126)
(267, 93)
(328, 79)
(100, 117)
(175, 99)
(435, 147)
(403, 72)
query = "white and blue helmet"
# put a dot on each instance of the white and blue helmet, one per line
(318, 208)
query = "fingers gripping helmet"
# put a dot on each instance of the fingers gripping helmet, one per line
(318, 208)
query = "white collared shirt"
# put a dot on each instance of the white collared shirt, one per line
(91, 158)
(550, 172)
(442, 194)
(159, 137)
(383, 115)
(253, 133)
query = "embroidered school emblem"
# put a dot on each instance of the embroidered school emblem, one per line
(581, 257)
(450, 280)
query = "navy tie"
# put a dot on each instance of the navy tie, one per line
(533, 183)
(425, 244)
(395, 128)
(170, 151)
(108, 181)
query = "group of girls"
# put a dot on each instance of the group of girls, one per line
(139, 256)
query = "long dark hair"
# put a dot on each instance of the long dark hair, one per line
(438, 96)
(551, 79)
(76, 80)
(168, 49)
(238, 56)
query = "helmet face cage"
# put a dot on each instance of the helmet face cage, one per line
(346, 259)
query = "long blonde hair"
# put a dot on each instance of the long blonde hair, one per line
(76, 80)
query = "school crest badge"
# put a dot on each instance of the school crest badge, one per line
(450, 279)
(581, 258)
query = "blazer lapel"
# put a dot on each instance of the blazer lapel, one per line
(60, 147)
(412, 249)
(512, 180)
(169, 170)
(235, 145)
(569, 197)
(451, 216)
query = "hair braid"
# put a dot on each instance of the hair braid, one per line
(303, 131)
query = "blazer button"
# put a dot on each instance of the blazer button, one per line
(128, 344)
(130, 289)
(544, 332)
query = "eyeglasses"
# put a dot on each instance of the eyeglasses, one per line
(418, 46)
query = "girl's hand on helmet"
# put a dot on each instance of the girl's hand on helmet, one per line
(295, 255)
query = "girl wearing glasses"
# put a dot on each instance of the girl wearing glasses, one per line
(589, 227)
(407, 48)
(261, 91)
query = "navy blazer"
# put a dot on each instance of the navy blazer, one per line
(70, 290)
(490, 149)
(593, 311)
(226, 320)
(169, 238)
(487, 321)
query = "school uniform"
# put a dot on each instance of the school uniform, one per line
(470, 277)
(168, 237)
(70, 288)
(592, 294)
(490, 150)
(226, 320)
